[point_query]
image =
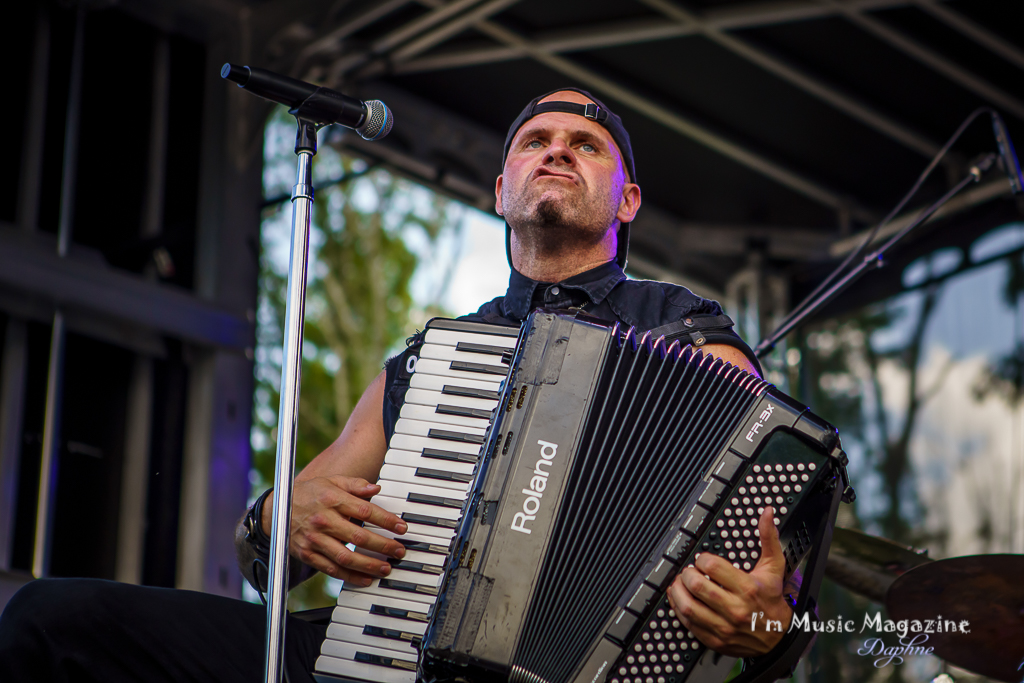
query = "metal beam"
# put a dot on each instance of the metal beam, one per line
(637, 31)
(802, 80)
(677, 122)
(594, 37)
(978, 194)
(931, 59)
(975, 32)
(333, 38)
(446, 31)
(29, 265)
(440, 11)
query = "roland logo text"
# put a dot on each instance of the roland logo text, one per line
(538, 482)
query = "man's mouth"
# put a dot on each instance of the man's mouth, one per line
(543, 172)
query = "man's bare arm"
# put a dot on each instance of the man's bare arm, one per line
(732, 355)
(331, 499)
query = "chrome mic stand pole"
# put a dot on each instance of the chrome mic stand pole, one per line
(288, 412)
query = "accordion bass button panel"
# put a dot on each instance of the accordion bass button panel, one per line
(427, 474)
(655, 645)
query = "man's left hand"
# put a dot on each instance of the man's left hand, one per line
(716, 601)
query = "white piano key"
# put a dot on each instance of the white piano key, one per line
(408, 475)
(424, 595)
(441, 535)
(402, 490)
(364, 602)
(423, 413)
(436, 398)
(344, 664)
(432, 366)
(348, 650)
(400, 506)
(359, 670)
(420, 428)
(360, 618)
(452, 338)
(450, 353)
(414, 459)
(438, 383)
(410, 556)
(347, 633)
(413, 537)
(417, 444)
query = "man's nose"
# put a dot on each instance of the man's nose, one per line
(560, 153)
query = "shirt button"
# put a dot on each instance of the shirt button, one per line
(555, 290)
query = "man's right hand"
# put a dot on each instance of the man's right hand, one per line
(325, 516)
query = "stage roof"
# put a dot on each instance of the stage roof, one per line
(762, 130)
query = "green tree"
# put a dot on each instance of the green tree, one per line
(359, 309)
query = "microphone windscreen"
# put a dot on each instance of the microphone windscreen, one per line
(378, 121)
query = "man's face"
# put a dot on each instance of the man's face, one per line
(563, 181)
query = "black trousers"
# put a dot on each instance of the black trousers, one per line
(78, 630)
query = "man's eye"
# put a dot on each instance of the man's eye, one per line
(533, 144)
(587, 147)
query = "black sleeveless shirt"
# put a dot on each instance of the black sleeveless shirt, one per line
(603, 292)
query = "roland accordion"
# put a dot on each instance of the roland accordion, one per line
(555, 480)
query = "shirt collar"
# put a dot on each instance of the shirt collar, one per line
(595, 283)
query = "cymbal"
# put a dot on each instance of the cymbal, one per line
(867, 565)
(987, 591)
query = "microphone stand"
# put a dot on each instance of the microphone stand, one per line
(872, 260)
(291, 376)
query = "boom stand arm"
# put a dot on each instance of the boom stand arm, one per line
(871, 261)
(291, 376)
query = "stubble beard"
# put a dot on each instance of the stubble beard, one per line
(554, 223)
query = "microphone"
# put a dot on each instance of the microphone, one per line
(371, 119)
(1007, 154)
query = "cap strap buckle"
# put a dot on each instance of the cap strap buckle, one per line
(591, 110)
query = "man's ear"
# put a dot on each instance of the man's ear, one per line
(630, 203)
(497, 196)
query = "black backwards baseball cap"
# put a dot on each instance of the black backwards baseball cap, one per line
(595, 112)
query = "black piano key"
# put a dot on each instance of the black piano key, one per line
(391, 662)
(430, 521)
(416, 567)
(443, 475)
(462, 411)
(480, 368)
(407, 587)
(470, 392)
(397, 613)
(422, 547)
(439, 501)
(454, 436)
(391, 634)
(470, 347)
(449, 455)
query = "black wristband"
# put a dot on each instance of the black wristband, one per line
(254, 535)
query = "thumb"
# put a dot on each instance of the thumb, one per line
(772, 558)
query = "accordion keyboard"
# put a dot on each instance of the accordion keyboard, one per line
(428, 470)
